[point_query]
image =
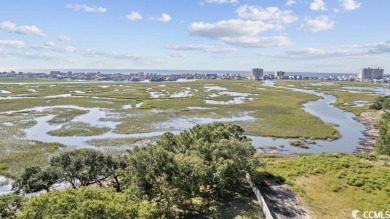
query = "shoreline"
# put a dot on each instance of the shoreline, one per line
(370, 119)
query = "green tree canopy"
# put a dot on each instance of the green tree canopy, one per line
(382, 145)
(85, 203)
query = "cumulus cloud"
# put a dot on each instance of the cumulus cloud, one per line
(87, 8)
(200, 47)
(13, 43)
(164, 18)
(64, 38)
(271, 14)
(24, 30)
(231, 28)
(318, 24)
(290, 3)
(239, 32)
(318, 5)
(350, 5)
(133, 16)
(222, 1)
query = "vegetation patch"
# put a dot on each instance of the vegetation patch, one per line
(114, 142)
(66, 115)
(298, 143)
(333, 185)
(79, 129)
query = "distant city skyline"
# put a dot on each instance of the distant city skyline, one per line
(233, 35)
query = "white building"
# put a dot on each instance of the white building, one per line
(257, 74)
(370, 74)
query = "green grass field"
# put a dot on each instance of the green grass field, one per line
(334, 185)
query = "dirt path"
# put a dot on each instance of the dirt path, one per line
(371, 120)
(284, 204)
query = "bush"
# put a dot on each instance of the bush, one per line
(337, 188)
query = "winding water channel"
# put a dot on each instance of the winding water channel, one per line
(345, 122)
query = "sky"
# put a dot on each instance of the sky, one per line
(340, 36)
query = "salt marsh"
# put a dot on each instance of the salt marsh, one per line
(68, 115)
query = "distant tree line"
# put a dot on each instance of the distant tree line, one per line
(166, 179)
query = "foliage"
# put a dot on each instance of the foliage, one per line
(82, 167)
(34, 179)
(381, 102)
(87, 203)
(207, 160)
(298, 143)
(9, 205)
(382, 145)
(334, 184)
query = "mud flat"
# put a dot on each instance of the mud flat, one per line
(371, 120)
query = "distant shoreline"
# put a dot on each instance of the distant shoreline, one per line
(172, 71)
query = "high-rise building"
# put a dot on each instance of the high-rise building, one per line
(257, 74)
(279, 74)
(370, 74)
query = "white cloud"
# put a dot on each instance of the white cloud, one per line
(13, 43)
(335, 51)
(24, 30)
(50, 44)
(350, 5)
(87, 8)
(290, 3)
(318, 5)
(69, 49)
(64, 38)
(248, 41)
(200, 47)
(133, 16)
(164, 18)
(177, 55)
(318, 24)
(222, 1)
(336, 10)
(231, 28)
(271, 14)
(239, 32)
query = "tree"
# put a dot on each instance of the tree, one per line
(381, 102)
(87, 203)
(114, 170)
(34, 179)
(205, 160)
(382, 145)
(81, 167)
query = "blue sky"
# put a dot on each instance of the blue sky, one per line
(290, 35)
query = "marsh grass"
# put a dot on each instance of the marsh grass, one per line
(332, 185)
(65, 115)
(277, 112)
(79, 129)
(298, 143)
(114, 142)
(343, 95)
